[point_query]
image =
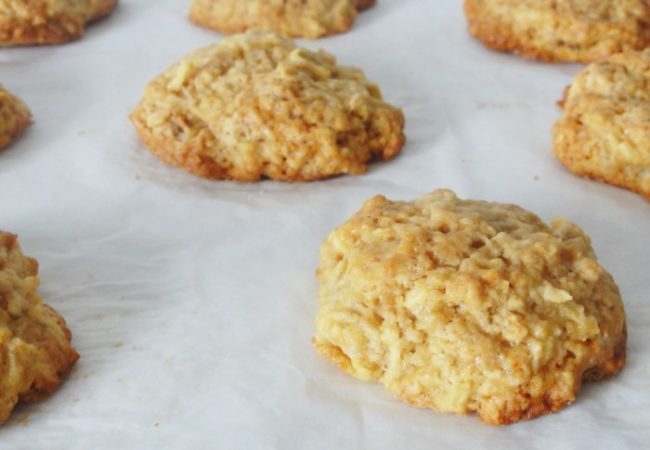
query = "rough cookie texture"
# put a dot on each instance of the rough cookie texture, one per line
(27, 22)
(290, 18)
(468, 306)
(258, 106)
(35, 350)
(14, 117)
(561, 30)
(604, 131)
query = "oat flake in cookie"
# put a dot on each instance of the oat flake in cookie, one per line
(29, 22)
(35, 349)
(561, 30)
(14, 117)
(256, 105)
(604, 131)
(290, 18)
(467, 306)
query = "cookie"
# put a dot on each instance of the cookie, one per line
(35, 349)
(256, 105)
(14, 117)
(28, 22)
(604, 131)
(467, 306)
(561, 30)
(290, 18)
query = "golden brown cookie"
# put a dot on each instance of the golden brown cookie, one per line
(14, 117)
(28, 22)
(604, 131)
(290, 18)
(35, 349)
(468, 306)
(561, 30)
(256, 105)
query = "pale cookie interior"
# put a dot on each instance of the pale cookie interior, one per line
(604, 131)
(561, 30)
(467, 306)
(256, 105)
(35, 350)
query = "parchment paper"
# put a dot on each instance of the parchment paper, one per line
(191, 302)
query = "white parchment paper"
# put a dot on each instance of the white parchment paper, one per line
(191, 302)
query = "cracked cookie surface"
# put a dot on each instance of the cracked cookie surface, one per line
(467, 306)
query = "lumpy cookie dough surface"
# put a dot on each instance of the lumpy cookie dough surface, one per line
(561, 30)
(27, 22)
(14, 117)
(35, 349)
(468, 306)
(290, 18)
(256, 105)
(604, 131)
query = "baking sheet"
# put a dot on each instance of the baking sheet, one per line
(191, 302)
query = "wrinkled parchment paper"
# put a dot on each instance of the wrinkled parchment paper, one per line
(191, 302)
